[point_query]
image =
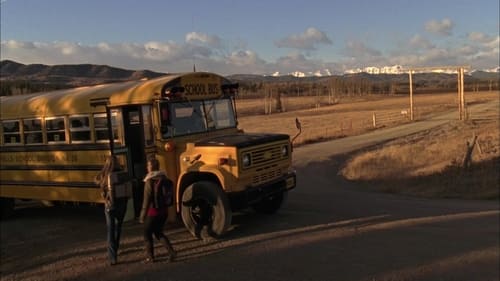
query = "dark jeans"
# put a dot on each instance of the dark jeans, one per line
(154, 225)
(114, 221)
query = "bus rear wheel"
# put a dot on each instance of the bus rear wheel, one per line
(6, 207)
(205, 210)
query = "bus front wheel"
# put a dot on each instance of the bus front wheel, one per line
(205, 210)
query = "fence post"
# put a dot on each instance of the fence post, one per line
(374, 120)
(468, 153)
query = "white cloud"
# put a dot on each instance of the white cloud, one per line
(304, 41)
(244, 58)
(443, 27)
(478, 36)
(493, 44)
(159, 51)
(196, 37)
(299, 63)
(68, 49)
(358, 49)
(479, 50)
(13, 44)
(467, 50)
(418, 41)
(104, 47)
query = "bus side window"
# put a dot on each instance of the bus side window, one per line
(33, 131)
(79, 129)
(11, 132)
(55, 130)
(101, 127)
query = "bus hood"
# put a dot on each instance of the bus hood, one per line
(242, 140)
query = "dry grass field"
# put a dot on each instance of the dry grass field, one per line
(430, 163)
(427, 164)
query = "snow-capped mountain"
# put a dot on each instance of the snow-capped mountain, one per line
(394, 69)
(495, 69)
(317, 73)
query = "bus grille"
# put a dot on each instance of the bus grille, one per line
(266, 175)
(266, 155)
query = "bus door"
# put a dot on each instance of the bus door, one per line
(138, 137)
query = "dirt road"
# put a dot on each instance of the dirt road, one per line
(320, 152)
(327, 230)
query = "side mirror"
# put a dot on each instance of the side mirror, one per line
(297, 124)
(299, 127)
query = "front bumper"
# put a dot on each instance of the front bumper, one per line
(254, 194)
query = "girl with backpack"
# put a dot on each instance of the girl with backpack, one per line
(115, 206)
(158, 196)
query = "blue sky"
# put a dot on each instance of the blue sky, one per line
(255, 37)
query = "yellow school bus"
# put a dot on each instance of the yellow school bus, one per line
(54, 143)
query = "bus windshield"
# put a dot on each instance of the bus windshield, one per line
(182, 118)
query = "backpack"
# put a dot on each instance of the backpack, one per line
(163, 193)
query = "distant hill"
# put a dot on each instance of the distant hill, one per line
(483, 75)
(85, 74)
(419, 78)
(18, 78)
(75, 75)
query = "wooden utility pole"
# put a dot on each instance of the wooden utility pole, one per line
(460, 85)
(461, 93)
(459, 98)
(411, 95)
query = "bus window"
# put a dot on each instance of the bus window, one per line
(33, 131)
(188, 118)
(220, 114)
(55, 130)
(196, 117)
(11, 132)
(148, 129)
(117, 126)
(101, 127)
(133, 117)
(79, 128)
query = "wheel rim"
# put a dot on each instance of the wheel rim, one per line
(201, 212)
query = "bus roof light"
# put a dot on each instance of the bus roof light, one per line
(174, 92)
(230, 89)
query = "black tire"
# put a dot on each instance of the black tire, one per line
(271, 204)
(7, 207)
(205, 210)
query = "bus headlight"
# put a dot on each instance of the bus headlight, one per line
(284, 151)
(246, 161)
